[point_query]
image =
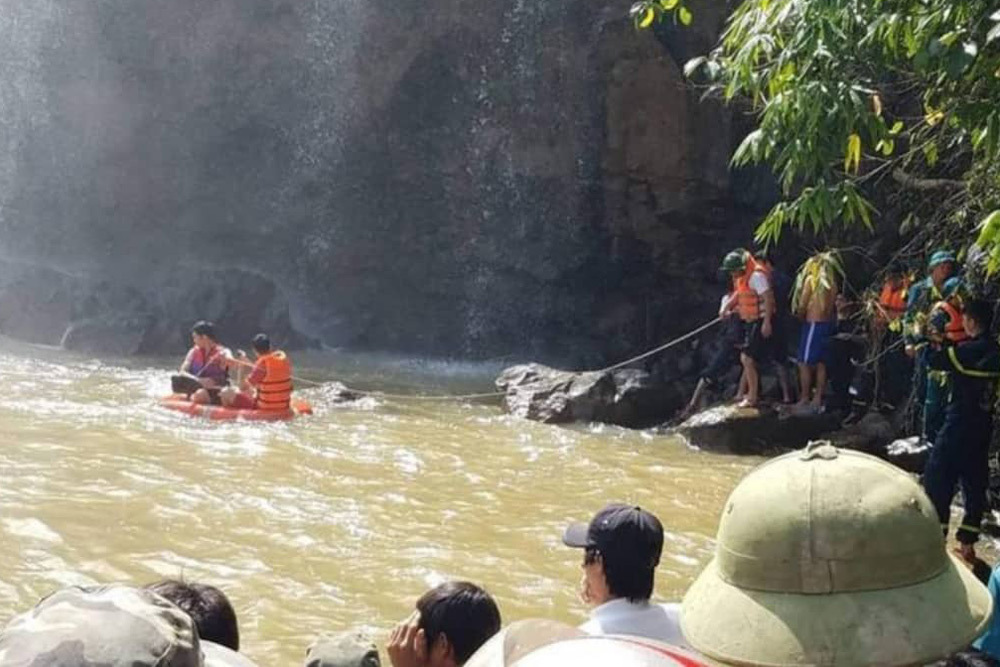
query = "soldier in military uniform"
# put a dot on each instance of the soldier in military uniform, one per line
(961, 451)
(920, 299)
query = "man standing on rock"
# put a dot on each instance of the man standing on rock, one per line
(621, 549)
(756, 308)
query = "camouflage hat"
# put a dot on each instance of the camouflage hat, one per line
(346, 649)
(953, 286)
(110, 626)
(734, 261)
(832, 557)
(940, 257)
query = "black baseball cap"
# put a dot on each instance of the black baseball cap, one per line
(621, 532)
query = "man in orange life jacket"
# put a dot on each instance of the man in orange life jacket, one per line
(269, 385)
(944, 324)
(756, 308)
(894, 367)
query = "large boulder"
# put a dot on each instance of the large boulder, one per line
(732, 429)
(627, 397)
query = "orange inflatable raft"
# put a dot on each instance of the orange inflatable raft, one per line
(220, 413)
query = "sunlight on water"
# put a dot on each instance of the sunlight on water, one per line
(328, 522)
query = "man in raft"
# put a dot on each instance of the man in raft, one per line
(268, 387)
(205, 370)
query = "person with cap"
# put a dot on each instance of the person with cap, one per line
(621, 549)
(960, 454)
(919, 300)
(109, 626)
(944, 323)
(832, 557)
(268, 387)
(754, 303)
(451, 621)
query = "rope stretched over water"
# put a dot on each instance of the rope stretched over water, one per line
(494, 394)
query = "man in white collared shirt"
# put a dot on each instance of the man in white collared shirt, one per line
(622, 547)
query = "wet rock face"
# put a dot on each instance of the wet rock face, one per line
(626, 397)
(461, 178)
(107, 317)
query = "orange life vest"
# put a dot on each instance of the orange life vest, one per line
(750, 304)
(274, 393)
(953, 330)
(893, 301)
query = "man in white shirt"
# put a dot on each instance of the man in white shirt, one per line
(622, 546)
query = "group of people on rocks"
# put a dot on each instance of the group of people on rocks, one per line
(823, 557)
(935, 326)
(206, 375)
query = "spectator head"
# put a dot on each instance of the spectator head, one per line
(621, 549)
(100, 627)
(968, 659)
(941, 266)
(828, 556)
(735, 263)
(457, 618)
(203, 329)
(977, 317)
(207, 606)
(345, 649)
(261, 343)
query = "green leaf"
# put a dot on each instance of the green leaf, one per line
(667, 5)
(993, 34)
(692, 66)
(886, 147)
(989, 230)
(684, 14)
(931, 154)
(852, 156)
(897, 127)
(647, 18)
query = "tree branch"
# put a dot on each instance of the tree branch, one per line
(924, 184)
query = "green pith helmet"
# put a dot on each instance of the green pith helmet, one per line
(832, 557)
(953, 286)
(940, 257)
(735, 261)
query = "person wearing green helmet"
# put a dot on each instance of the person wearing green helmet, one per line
(944, 323)
(831, 557)
(920, 299)
(960, 454)
(753, 301)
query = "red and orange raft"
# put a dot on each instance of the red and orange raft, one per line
(221, 413)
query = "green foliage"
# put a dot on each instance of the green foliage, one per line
(646, 12)
(858, 98)
(818, 275)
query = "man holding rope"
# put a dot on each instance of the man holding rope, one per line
(268, 387)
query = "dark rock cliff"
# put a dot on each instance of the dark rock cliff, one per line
(451, 178)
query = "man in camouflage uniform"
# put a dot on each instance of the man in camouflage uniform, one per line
(920, 299)
(108, 626)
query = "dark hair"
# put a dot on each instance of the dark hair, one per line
(261, 343)
(204, 328)
(982, 312)
(207, 606)
(462, 612)
(968, 659)
(626, 577)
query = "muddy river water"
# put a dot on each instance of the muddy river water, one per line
(335, 521)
